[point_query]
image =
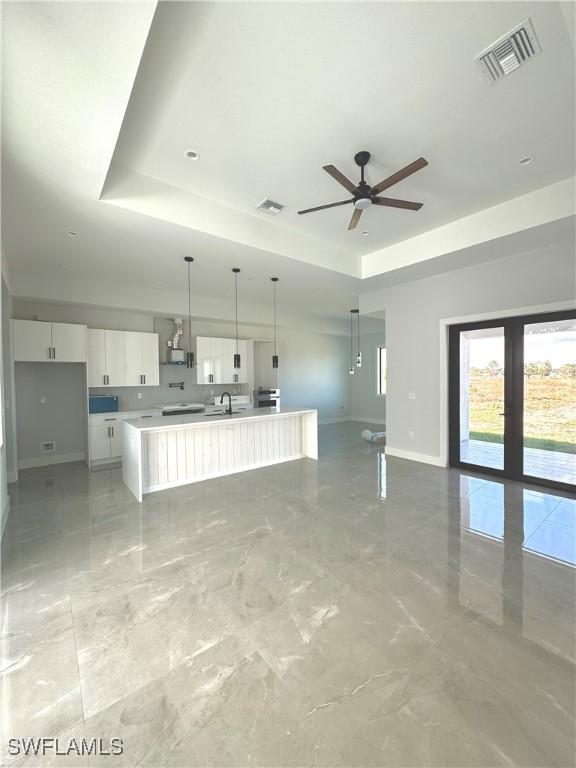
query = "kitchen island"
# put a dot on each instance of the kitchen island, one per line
(165, 451)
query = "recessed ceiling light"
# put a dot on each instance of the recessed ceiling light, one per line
(66, 266)
(72, 234)
(191, 154)
(364, 234)
(526, 160)
(159, 282)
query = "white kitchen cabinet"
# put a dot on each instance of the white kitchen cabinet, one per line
(37, 341)
(215, 361)
(68, 343)
(150, 359)
(105, 430)
(203, 360)
(141, 359)
(106, 358)
(100, 447)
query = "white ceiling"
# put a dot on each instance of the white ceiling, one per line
(267, 93)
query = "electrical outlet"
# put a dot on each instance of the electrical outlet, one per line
(43, 400)
(411, 395)
(211, 391)
(139, 395)
(411, 434)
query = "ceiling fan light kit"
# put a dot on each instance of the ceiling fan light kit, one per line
(363, 195)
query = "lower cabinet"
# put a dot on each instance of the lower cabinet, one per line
(106, 441)
(105, 432)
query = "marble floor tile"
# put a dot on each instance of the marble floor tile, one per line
(360, 610)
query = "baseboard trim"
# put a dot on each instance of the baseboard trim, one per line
(336, 420)
(368, 420)
(423, 458)
(46, 461)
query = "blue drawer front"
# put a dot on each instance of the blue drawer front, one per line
(102, 403)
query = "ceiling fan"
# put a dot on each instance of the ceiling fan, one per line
(363, 195)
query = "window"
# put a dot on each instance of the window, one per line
(381, 370)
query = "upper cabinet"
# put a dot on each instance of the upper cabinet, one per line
(142, 359)
(37, 341)
(122, 359)
(215, 361)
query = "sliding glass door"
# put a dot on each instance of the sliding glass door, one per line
(513, 398)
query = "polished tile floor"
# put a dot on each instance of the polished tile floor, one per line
(354, 611)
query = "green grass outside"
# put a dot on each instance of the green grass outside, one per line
(529, 442)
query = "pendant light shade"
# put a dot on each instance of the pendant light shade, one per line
(189, 354)
(237, 362)
(275, 355)
(351, 371)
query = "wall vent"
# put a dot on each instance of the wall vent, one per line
(509, 52)
(48, 447)
(269, 207)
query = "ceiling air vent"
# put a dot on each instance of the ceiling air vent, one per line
(510, 52)
(269, 207)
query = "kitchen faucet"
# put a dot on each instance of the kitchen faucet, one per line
(229, 409)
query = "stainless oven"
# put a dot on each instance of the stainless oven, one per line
(267, 398)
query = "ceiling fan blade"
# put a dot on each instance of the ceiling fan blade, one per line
(401, 174)
(392, 203)
(339, 177)
(322, 207)
(355, 218)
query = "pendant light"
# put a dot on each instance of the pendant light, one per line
(274, 280)
(189, 354)
(237, 355)
(358, 353)
(351, 371)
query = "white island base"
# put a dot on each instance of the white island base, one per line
(169, 451)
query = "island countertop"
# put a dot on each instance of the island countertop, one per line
(205, 419)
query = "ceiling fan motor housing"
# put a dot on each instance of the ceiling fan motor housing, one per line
(362, 158)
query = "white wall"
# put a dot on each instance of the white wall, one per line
(313, 366)
(413, 315)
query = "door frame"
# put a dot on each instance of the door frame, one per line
(513, 395)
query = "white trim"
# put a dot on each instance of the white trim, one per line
(557, 306)
(46, 461)
(367, 420)
(336, 420)
(424, 458)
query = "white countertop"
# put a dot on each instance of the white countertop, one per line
(176, 422)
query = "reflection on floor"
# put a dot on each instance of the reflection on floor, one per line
(550, 465)
(357, 611)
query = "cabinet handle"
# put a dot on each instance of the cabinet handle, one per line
(144, 379)
(108, 431)
(112, 428)
(110, 419)
(53, 353)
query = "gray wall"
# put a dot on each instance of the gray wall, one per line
(6, 451)
(367, 405)
(313, 366)
(62, 418)
(413, 313)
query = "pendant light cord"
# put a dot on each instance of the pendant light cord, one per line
(275, 349)
(236, 273)
(189, 315)
(351, 339)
